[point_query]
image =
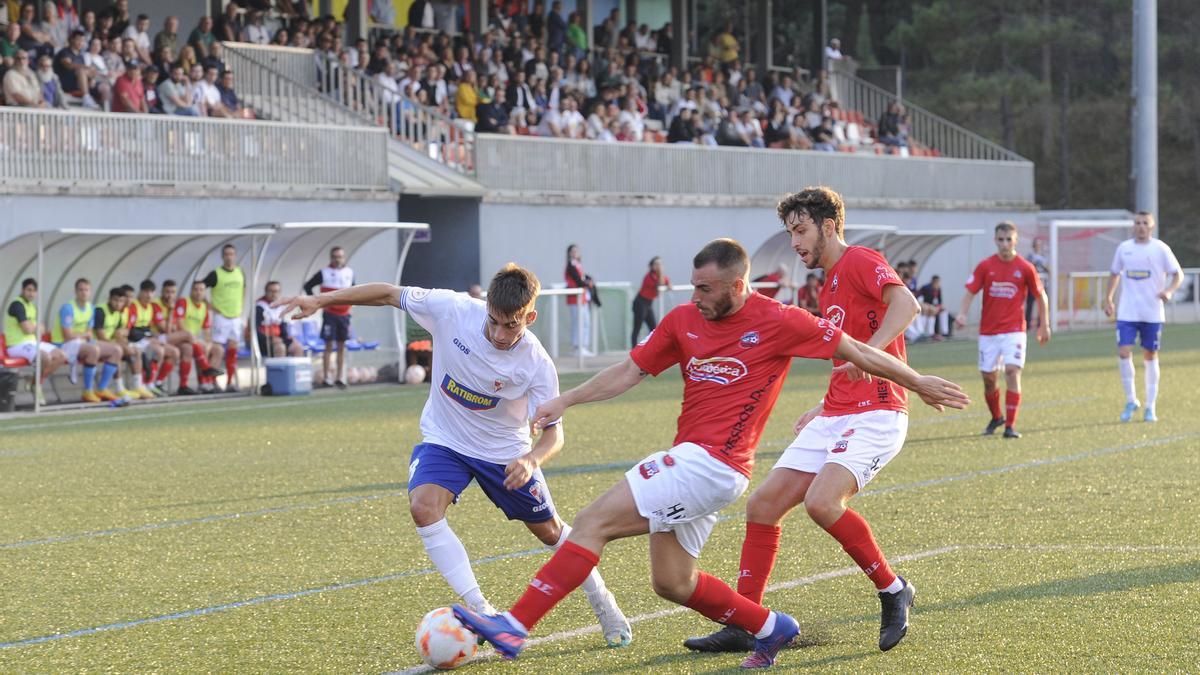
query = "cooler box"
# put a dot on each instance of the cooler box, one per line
(289, 376)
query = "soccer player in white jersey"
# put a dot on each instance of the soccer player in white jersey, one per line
(1141, 267)
(489, 374)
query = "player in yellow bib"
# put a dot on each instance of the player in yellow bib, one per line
(228, 284)
(22, 335)
(110, 325)
(73, 333)
(192, 315)
(146, 332)
(182, 340)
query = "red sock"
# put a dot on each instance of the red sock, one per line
(165, 371)
(565, 572)
(717, 601)
(993, 401)
(201, 357)
(149, 375)
(185, 371)
(854, 534)
(1012, 401)
(758, 559)
(230, 365)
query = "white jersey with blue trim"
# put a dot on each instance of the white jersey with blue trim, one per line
(1144, 269)
(481, 398)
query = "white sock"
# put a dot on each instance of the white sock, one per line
(450, 558)
(768, 627)
(1127, 373)
(1151, 381)
(593, 584)
(943, 320)
(896, 586)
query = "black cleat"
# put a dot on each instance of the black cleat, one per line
(893, 620)
(339, 384)
(993, 426)
(185, 391)
(728, 639)
(212, 372)
(1010, 432)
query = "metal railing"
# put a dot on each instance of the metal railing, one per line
(289, 94)
(559, 165)
(930, 130)
(51, 147)
(294, 63)
(422, 127)
(1085, 301)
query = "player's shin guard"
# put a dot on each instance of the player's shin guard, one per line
(758, 559)
(1012, 403)
(565, 572)
(89, 377)
(717, 601)
(449, 556)
(230, 365)
(1125, 366)
(593, 583)
(185, 370)
(200, 356)
(165, 371)
(149, 375)
(854, 534)
(993, 403)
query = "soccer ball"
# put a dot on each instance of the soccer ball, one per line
(414, 374)
(443, 642)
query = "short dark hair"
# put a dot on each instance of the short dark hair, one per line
(27, 282)
(148, 285)
(1147, 214)
(126, 288)
(1006, 226)
(228, 246)
(816, 202)
(513, 291)
(726, 253)
(271, 283)
(169, 283)
(198, 281)
(115, 293)
(934, 278)
(335, 249)
(143, 17)
(82, 280)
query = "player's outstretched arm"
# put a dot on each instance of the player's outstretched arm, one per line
(371, 295)
(935, 391)
(902, 308)
(608, 383)
(518, 472)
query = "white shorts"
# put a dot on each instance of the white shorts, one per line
(225, 330)
(862, 443)
(681, 490)
(28, 349)
(162, 339)
(71, 349)
(143, 345)
(1008, 348)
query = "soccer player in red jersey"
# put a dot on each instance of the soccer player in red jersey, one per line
(733, 347)
(856, 429)
(1004, 279)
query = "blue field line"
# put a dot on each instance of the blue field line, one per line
(550, 471)
(534, 551)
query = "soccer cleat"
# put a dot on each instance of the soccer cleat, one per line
(614, 625)
(765, 649)
(339, 384)
(157, 389)
(144, 393)
(496, 629)
(893, 620)
(212, 372)
(207, 388)
(107, 395)
(1010, 432)
(41, 397)
(132, 396)
(1149, 415)
(90, 397)
(993, 426)
(1130, 408)
(185, 390)
(728, 639)
(232, 387)
(485, 608)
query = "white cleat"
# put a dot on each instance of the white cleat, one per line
(614, 625)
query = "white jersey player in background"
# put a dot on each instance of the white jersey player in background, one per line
(489, 374)
(1140, 268)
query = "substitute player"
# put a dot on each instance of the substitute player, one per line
(489, 374)
(146, 325)
(1005, 279)
(22, 335)
(1140, 267)
(733, 347)
(177, 336)
(228, 284)
(335, 319)
(109, 322)
(856, 429)
(73, 332)
(192, 315)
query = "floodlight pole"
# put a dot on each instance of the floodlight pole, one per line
(1145, 110)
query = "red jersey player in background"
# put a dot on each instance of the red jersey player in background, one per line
(856, 429)
(1005, 279)
(733, 348)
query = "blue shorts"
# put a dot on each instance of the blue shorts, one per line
(335, 327)
(1145, 332)
(442, 466)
